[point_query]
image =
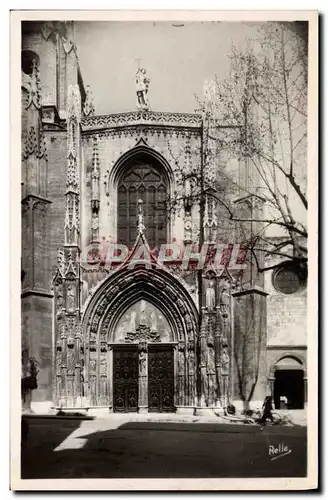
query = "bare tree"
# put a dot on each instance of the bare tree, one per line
(258, 115)
(258, 118)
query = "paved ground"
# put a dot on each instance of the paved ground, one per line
(117, 447)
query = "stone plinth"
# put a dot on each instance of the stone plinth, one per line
(204, 411)
(185, 410)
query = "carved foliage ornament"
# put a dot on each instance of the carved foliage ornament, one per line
(142, 117)
(142, 334)
(34, 144)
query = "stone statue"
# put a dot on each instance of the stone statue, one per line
(60, 296)
(121, 332)
(93, 365)
(143, 317)
(132, 323)
(70, 298)
(224, 300)
(210, 360)
(191, 361)
(58, 359)
(142, 82)
(103, 365)
(165, 336)
(153, 321)
(142, 363)
(210, 294)
(225, 361)
(70, 358)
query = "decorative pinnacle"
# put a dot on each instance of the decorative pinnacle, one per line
(140, 227)
(95, 158)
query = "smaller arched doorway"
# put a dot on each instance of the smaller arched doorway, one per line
(289, 384)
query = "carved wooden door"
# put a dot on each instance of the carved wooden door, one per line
(160, 378)
(125, 379)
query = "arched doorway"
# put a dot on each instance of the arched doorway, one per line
(289, 384)
(139, 335)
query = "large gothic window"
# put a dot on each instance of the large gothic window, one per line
(146, 181)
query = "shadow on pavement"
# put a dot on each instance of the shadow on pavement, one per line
(160, 450)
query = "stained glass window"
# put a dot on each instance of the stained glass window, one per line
(147, 182)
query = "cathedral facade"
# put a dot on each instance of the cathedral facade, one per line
(127, 304)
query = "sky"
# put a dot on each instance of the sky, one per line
(178, 60)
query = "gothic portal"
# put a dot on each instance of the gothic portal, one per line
(106, 331)
(137, 346)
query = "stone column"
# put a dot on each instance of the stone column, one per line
(143, 377)
(191, 374)
(271, 386)
(181, 374)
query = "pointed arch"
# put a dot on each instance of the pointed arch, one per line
(124, 287)
(110, 302)
(140, 150)
(142, 173)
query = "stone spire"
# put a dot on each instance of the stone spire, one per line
(34, 90)
(95, 194)
(73, 117)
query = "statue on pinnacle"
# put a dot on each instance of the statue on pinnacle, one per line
(142, 81)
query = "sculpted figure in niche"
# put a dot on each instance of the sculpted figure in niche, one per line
(70, 358)
(191, 361)
(132, 323)
(60, 296)
(210, 294)
(70, 298)
(143, 316)
(58, 359)
(153, 321)
(142, 363)
(93, 364)
(225, 361)
(210, 360)
(166, 336)
(224, 299)
(103, 365)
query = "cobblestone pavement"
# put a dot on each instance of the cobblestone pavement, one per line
(127, 447)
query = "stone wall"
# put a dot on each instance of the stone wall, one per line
(287, 316)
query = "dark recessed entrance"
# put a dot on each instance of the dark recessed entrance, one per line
(289, 387)
(160, 378)
(125, 378)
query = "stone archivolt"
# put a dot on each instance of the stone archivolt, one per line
(78, 349)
